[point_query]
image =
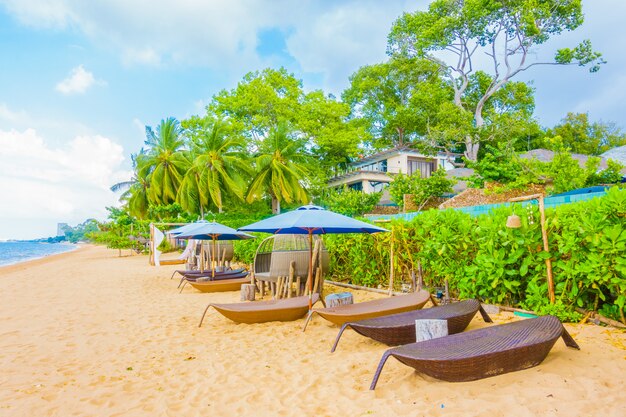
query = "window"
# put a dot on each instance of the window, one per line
(380, 166)
(378, 186)
(421, 166)
(358, 186)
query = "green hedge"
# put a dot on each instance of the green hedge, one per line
(481, 258)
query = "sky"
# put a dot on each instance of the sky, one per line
(80, 80)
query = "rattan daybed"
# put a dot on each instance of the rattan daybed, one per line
(370, 309)
(484, 352)
(286, 309)
(399, 329)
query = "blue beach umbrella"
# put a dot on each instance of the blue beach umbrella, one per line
(213, 231)
(185, 228)
(311, 220)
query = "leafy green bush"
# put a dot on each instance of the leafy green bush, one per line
(434, 186)
(351, 202)
(422, 189)
(566, 173)
(402, 184)
(481, 258)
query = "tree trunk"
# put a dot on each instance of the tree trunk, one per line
(275, 205)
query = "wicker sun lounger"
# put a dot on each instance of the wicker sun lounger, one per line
(287, 309)
(370, 309)
(220, 285)
(484, 352)
(399, 329)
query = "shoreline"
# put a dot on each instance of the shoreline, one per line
(88, 333)
(36, 261)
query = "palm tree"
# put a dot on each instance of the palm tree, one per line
(135, 191)
(218, 161)
(280, 170)
(165, 162)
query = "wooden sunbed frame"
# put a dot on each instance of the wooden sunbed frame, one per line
(370, 309)
(286, 309)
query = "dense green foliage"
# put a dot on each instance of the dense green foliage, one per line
(563, 173)
(350, 202)
(421, 189)
(579, 135)
(481, 258)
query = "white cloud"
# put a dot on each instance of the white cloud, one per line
(79, 81)
(43, 185)
(12, 116)
(332, 38)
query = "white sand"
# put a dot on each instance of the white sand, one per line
(89, 334)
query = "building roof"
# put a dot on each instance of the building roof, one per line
(379, 156)
(618, 154)
(545, 155)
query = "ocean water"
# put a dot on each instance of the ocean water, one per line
(14, 252)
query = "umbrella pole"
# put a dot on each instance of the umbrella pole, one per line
(201, 257)
(213, 265)
(310, 280)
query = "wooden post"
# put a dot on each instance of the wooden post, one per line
(151, 245)
(298, 287)
(413, 281)
(446, 297)
(279, 287)
(316, 287)
(391, 265)
(420, 275)
(544, 236)
(248, 292)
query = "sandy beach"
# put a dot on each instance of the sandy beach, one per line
(88, 333)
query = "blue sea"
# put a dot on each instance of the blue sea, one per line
(14, 252)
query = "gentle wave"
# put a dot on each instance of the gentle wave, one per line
(15, 252)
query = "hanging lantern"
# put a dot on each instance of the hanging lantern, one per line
(513, 222)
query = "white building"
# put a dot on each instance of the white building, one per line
(375, 172)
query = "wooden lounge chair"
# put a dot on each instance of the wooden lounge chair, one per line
(233, 273)
(220, 285)
(399, 329)
(484, 352)
(206, 272)
(286, 309)
(370, 309)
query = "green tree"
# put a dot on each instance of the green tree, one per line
(135, 190)
(397, 98)
(280, 169)
(265, 99)
(260, 101)
(164, 163)
(579, 135)
(507, 31)
(334, 139)
(218, 161)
